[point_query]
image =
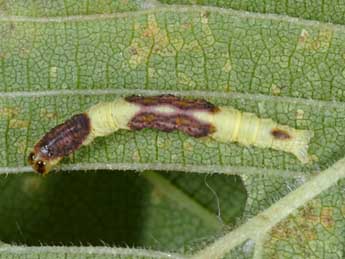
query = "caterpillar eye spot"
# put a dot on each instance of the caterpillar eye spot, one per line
(40, 166)
(280, 134)
(40, 163)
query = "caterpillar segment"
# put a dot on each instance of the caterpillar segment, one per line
(247, 129)
(195, 117)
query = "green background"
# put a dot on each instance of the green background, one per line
(58, 58)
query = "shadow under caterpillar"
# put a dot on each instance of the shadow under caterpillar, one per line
(195, 117)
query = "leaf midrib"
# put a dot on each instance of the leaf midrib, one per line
(257, 227)
(174, 8)
(194, 93)
(87, 250)
(187, 168)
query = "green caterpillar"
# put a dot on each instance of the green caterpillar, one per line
(195, 117)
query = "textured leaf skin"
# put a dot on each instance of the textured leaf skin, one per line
(42, 8)
(285, 69)
(330, 11)
(192, 50)
(317, 228)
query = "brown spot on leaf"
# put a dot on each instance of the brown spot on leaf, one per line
(326, 217)
(152, 28)
(8, 112)
(293, 229)
(18, 124)
(45, 114)
(303, 37)
(316, 42)
(281, 231)
(308, 213)
(133, 50)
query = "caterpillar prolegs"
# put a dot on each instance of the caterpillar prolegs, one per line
(195, 117)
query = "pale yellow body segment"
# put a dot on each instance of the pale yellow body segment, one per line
(109, 117)
(247, 129)
(231, 126)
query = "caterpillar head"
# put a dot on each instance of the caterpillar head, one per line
(59, 142)
(40, 162)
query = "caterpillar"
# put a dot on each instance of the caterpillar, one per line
(195, 117)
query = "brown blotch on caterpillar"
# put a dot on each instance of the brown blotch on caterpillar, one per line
(168, 123)
(280, 134)
(60, 141)
(178, 102)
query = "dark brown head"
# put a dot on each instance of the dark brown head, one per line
(59, 142)
(40, 163)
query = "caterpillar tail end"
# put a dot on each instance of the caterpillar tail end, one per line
(300, 145)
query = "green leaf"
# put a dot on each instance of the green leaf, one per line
(101, 208)
(58, 58)
(326, 11)
(84, 252)
(55, 67)
(304, 223)
(42, 8)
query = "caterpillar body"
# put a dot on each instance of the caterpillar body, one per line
(195, 117)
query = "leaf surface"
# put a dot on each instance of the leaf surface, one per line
(58, 58)
(326, 11)
(42, 8)
(273, 67)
